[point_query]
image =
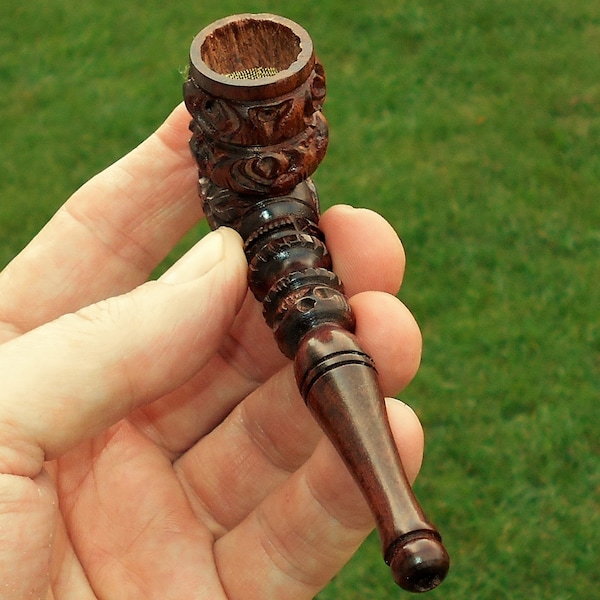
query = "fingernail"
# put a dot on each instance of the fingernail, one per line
(197, 261)
(401, 402)
(345, 207)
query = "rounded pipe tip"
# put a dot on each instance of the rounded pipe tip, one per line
(419, 564)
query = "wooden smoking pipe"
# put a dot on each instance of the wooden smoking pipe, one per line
(255, 92)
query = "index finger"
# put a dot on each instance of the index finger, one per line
(110, 234)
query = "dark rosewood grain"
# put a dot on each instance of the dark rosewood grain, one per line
(255, 92)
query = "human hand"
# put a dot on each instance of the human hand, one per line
(153, 443)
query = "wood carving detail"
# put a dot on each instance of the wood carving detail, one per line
(255, 93)
(262, 147)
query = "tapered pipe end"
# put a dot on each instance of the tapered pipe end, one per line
(418, 564)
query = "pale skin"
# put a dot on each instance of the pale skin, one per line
(153, 444)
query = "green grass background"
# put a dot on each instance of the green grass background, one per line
(474, 127)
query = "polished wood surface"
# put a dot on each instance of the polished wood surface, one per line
(255, 92)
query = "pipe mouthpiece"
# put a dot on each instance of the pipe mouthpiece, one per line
(418, 564)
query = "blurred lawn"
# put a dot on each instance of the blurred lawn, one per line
(475, 129)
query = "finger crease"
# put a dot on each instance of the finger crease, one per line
(125, 241)
(275, 549)
(233, 353)
(345, 524)
(199, 506)
(261, 440)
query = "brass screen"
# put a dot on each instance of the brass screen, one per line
(253, 73)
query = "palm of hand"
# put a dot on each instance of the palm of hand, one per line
(180, 459)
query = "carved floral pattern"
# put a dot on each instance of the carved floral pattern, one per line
(255, 154)
(259, 147)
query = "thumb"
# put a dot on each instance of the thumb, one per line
(71, 378)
